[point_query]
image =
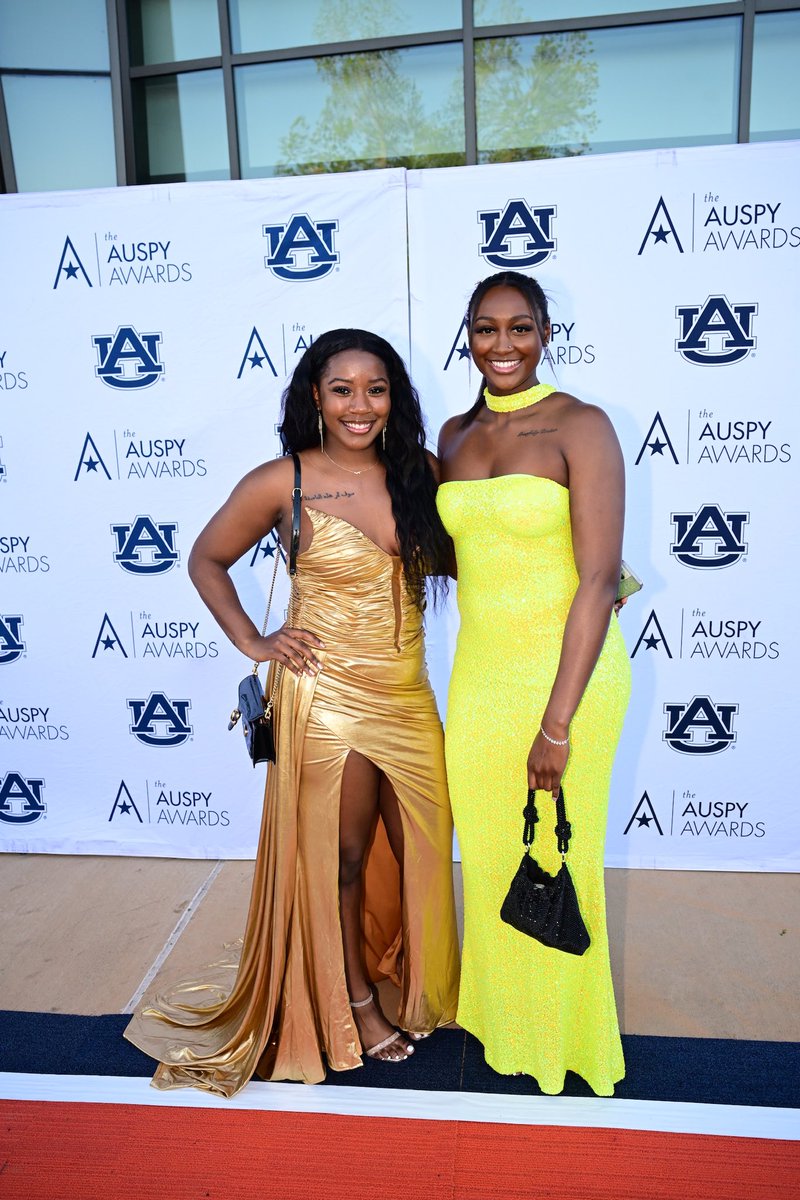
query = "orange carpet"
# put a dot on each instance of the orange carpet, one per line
(57, 1151)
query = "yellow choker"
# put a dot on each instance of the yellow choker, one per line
(518, 400)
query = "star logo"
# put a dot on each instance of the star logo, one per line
(108, 638)
(459, 349)
(644, 815)
(663, 230)
(124, 804)
(256, 354)
(652, 637)
(70, 265)
(266, 548)
(90, 459)
(657, 440)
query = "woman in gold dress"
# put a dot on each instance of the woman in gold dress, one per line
(353, 878)
(532, 494)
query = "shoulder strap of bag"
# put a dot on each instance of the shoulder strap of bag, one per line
(294, 544)
(563, 829)
(294, 547)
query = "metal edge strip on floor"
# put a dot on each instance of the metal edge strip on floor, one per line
(169, 945)
(726, 1120)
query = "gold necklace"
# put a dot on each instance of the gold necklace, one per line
(350, 470)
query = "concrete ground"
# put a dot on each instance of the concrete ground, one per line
(696, 954)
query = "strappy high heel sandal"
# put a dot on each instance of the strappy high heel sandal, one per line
(374, 1051)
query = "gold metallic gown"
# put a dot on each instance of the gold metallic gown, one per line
(287, 1004)
(536, 1010)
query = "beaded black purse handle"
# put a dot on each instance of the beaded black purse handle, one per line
(563, 829)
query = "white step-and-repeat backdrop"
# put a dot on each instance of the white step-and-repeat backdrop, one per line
(145, 340)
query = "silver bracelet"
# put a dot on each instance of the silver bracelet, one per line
(553, 741)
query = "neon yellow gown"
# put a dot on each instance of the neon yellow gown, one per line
(536, 1010)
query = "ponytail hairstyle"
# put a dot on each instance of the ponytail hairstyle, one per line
(537, 303)
(425, 547)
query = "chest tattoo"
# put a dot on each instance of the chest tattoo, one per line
(535, 432)
(330, 496)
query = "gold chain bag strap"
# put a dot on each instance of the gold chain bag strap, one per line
(255, 709)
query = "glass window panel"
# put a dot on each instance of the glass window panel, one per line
(352, 111)
(509, 12)
(62, 131)
(180, 128)
(259, 26)
(607, 90)
(54, 35)
(775, 98)
(170, 30)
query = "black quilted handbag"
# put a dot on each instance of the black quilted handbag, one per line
(544, 906)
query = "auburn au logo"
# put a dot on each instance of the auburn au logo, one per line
(301, 248)
(12, 646)
(716, 333)
(159, 721)
(709, 537)
(700, 727)
(146, 547)
(128, 359)
(21, 799)
(517, 236)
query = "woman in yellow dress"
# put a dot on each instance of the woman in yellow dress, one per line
(532, 494)
(353, 878)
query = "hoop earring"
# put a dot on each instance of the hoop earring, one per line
(320, 427)
(383, 438)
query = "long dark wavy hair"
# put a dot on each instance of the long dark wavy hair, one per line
(425, 548)
(537, 302)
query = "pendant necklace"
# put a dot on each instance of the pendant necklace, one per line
(350, 470)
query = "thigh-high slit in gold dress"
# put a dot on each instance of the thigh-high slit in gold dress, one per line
(281, 1007)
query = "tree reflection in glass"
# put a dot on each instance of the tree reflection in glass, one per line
(535, 96)
(380, 108)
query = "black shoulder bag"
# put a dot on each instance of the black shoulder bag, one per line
(253, 706)
(545, 906)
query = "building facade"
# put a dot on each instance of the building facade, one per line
(102, 92)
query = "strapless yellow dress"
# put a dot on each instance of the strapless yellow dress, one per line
(280, 1007)
(536, 1010)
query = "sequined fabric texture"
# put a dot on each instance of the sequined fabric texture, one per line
(280, 1007)
(535, 1009)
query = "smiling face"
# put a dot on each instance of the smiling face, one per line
(354, 398)
(506, 340)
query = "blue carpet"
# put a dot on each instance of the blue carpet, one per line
(692, 1070)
